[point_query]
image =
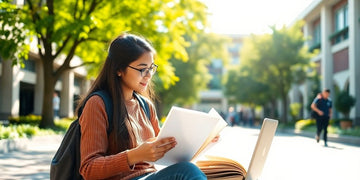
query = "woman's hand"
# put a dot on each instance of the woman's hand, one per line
(151, 150)
(216, 138)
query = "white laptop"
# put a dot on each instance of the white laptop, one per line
(262, 148)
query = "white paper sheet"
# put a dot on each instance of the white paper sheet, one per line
(191, 129)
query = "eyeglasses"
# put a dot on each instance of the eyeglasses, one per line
(146, 71)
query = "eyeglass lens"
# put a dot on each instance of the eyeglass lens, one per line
(150, 70)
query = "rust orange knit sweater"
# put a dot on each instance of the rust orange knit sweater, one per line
(95, 146)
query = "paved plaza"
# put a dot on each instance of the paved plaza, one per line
(291, 157)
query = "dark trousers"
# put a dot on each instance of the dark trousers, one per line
(322, 123)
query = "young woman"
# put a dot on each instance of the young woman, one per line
(131, 147)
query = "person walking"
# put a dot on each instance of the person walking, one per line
(322, 107)
(131, 148)
(56, 105)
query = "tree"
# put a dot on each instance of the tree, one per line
(246, 89)
(243, 88)
(193, 74)
(274, 57)
(69, 28)
(344, 102)
(12, 34)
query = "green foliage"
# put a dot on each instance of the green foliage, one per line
(245, 88)
(304, 123)
(295, 109)
(29, 119)
(83, 29)
(333, 128)
(193, 74)
(13, 35)
(63, 124)
(18, 131)
(24, 130)
(275, 60)
(344, 102)
(351, 131)
(314, 89)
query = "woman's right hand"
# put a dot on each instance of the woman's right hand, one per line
(151, 150)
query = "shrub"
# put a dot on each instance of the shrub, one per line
(24, 130)
(18, 131)
(29, 119)
(8, 133)
(304, 123)
(344, 102)
(63, 124)
(295, 109)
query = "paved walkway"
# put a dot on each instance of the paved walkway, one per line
(350, 140)
(33, 162)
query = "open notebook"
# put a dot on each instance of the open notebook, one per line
(223, 168)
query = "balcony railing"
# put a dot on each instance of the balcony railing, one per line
(314, 46)
(339, 35)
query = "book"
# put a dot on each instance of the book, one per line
(193, 131)
(218, 168)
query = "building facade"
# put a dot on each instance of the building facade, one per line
(334, 28)
(21, 89)
(214, 97)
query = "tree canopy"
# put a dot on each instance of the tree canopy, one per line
(193, 74)
(271, 63)
(72, 28)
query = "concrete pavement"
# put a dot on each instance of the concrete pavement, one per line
(344, 139)
(33, 162)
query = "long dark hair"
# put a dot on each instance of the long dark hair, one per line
(123, 50)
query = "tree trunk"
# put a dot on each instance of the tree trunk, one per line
(285, 107)
(273, 109)
(47, 114)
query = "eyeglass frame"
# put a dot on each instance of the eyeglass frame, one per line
(147, 70)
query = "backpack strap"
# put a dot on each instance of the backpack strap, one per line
(108, 106)
(144, 105)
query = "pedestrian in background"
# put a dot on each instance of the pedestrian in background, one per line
(131, 148)
(321, 106)
(230, 117)
(56, 105)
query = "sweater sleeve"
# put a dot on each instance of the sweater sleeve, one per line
(95, 164)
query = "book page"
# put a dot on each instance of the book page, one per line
(191, 130)
(216, 167)
(217, 129)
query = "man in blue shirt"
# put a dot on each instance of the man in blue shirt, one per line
(322, 107)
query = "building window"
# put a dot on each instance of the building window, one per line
(316, 38)
(215, 70)
(77, 82)
(341, 29)
(317, 34)
(30, 65)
